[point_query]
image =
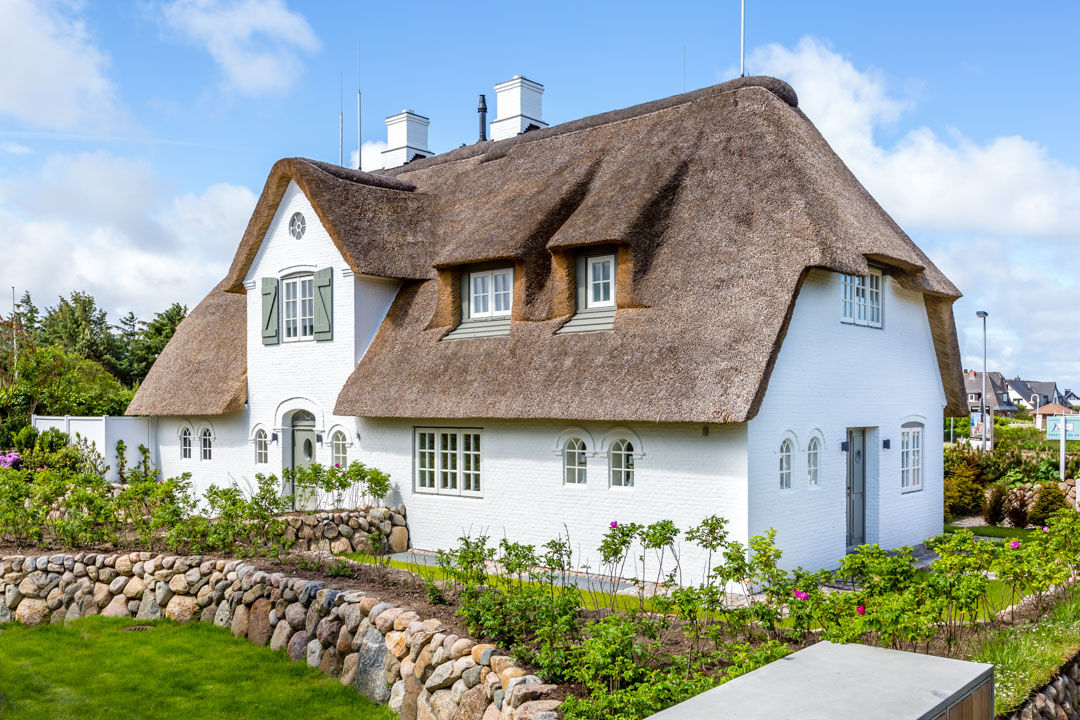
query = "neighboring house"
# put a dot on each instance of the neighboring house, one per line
(1070, 398)
(1033, 393)
(1050, 411)
(684, 308)
(997, 393)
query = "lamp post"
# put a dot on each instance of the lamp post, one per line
(1035, 399)
(982, 398)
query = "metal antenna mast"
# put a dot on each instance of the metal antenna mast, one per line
(359, 142)
(341, 121)
(742, 40)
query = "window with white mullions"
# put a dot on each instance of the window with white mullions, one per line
(911, 457)
(262, 450)
(574, 461)
(813, 456)
(339, 450)
(785, 465)
(298, 305)
(601, 281)
(491, 293)
(621, 458)
(185, 444)
(448, 461)
(425, 460)
(207, 444)
(861, 299)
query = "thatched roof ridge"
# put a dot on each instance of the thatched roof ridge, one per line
(371, 218)
(203, 368)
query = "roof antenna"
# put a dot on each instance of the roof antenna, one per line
(341, 121)
(360, 144)
(742, 40)
(481, 108)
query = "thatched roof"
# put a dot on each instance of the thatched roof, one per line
(718, 203)
(203, 368)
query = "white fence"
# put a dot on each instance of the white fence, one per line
(104, 432)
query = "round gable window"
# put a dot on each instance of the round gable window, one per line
(297, 225)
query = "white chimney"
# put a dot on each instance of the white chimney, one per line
(518, 108)
(406, 138)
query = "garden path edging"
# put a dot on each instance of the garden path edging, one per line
(388, 653)
(1059, 699)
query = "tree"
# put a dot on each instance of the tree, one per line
(27, 314)
(79, 326)
(141, 342)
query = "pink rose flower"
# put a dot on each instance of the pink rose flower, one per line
(800, 594)
(1046, 528)
(1014, 544)
(861, 610)
(614, 524)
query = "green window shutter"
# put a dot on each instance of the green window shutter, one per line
(324, 304)
(270, 311)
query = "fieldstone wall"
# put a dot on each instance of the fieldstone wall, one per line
(348, 530)
(1030, 492)
(1059, 700)
(390, 654)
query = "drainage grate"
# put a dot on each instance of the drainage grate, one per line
(137, 628)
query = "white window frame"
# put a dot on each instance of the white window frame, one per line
(813, 462)
(787, 449)
(262, 448)
(590, 282)
(911, 445)
(339, 449)
(504, 296)
(621, 465)
(575, 461)
(861, 299)
(448, 461)
(206, 444)
(301, 307)
(185, 443)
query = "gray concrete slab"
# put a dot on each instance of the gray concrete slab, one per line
(839, 682)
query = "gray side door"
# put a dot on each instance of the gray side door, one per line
(303, 447)
(856, 488)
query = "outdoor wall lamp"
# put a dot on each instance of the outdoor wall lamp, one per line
(886, 443)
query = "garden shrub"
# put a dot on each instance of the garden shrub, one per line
(25, 438)
(1016, 509)
(1049, 500)
(993, 509)
(963, 495)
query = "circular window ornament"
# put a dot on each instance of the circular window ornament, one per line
(297, 225)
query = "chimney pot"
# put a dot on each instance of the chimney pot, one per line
(406, 138)
(481, 108)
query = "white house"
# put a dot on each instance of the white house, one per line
(684, 308)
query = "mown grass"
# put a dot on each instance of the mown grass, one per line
(1027, 656)
(990, 531)
(90, 669)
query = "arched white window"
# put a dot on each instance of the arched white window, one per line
(785, 464)
(813, 452)
(207, 444)
(340, 454)
(622, 463)
(911, 456)
(262, 452)
(185, 444)
(574, 461)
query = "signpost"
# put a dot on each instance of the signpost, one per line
(1063, 427)
(981, 428)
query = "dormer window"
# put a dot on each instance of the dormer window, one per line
(601, 281)
(491, 293)
(860, 300)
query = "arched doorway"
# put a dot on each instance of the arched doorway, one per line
(302, 425)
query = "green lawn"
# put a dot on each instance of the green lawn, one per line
(90, 669)
(1028, 656)
(990, 531)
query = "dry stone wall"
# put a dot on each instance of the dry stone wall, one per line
(1059, 700)
(417, 666)
(348, 530)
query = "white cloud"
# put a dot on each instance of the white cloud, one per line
(1000, 218)
(127, 240)
(372, 156)
(15, 148)
(55, 77)
(254, 42)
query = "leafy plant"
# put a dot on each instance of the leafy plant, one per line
(1049, 500)
(993, 509)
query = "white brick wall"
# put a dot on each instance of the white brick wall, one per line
(830, 377)
(683, 476)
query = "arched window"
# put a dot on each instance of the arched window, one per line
(207, 444)
(185, 444)
(262, 452)
(574, 461)
(340, 454)
(911, 456)
(813, 451)
(622, 463)
(785, 465)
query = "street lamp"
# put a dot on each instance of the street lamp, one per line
(982, 399)
(1035, 399)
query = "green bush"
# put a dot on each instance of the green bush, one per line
(963, 495)
(993, 509)
(1049, 500)
(25, 439)
(1016, 509)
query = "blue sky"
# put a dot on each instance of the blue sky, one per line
(135, 136)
